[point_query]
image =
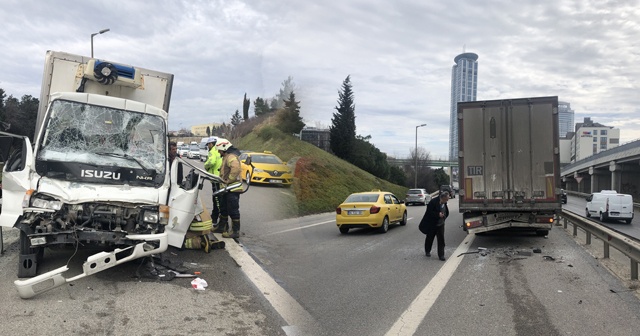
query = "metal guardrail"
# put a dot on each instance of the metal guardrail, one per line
(610, 238)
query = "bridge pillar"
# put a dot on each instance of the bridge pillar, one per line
(616, 173)
(600, 179)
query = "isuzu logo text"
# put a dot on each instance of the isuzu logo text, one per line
(100, 174)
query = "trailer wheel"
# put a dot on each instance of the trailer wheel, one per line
(542, 233)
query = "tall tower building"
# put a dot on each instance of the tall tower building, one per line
(565, 118)
(464, 87)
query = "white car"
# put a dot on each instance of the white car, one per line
(194, 151)
(608, 204)
(183, 150)
(414, 196)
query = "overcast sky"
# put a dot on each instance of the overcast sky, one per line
(399, 55)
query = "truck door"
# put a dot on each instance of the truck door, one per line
(183, 201)
(17, 155)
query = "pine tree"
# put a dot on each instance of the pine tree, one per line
(245, 107)
(236, 119)
(343, 124)
(260, 107)
(289, 120)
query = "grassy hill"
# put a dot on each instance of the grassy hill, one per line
(322, 180)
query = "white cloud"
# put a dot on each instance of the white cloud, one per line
(399, 55)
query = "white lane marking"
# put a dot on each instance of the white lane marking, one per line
(306, 227)
(288, 308)
(298, 228)
(408, 322)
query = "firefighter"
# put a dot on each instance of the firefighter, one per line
(229, 202)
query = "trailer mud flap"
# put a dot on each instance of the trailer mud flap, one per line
(94, 264)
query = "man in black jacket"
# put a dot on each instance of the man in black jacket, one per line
(432, 224)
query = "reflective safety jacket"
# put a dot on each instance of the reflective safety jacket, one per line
(214, 162)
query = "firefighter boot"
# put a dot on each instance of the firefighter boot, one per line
(235, 229)
(222, 226)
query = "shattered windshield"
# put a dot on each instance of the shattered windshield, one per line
(105, 136)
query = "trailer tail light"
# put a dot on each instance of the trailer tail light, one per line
(374, 210)
(544, 219)
(338, 210)
(473, 224)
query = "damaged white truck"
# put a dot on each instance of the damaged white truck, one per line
(98, 174)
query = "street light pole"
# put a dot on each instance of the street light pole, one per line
(415, 182)
(94, 34)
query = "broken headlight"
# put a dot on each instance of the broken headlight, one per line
(46, 204)
(150, 216)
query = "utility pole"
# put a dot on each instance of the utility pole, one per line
(415, 183)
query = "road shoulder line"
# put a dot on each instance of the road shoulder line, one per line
(410, 320)
(288, 308)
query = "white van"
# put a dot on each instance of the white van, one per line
(608, 204)
(204, 151)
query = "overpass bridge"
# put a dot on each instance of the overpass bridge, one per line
(617, 169)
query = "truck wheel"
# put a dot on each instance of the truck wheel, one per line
(29, 257)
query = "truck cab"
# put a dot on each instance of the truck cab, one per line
(98, 171)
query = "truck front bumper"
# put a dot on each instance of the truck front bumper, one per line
(94, 264)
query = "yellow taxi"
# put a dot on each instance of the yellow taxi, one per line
(375, 209)
(267, 168)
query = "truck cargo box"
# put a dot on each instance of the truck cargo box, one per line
(509, 159)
